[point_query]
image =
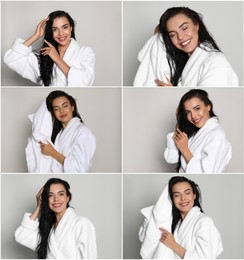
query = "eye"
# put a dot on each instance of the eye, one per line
(55, 109)
(54, 30)
(171, 35)
(184, 28)
(66, 27)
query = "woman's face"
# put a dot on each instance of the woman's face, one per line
(183, 197)
(62, 109)
(197, 112)
(61, 31)
(183, 33)
(58, 199)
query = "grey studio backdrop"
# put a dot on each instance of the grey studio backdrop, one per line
(149, 115)
(222, 200)
(98, 25)
(97, 197)
(222, 18)
(99, 108)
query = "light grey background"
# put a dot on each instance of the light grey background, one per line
(149, 115)
(95, 196)
(98, 25)
(224, 20)
(222, 197)
(99, 108)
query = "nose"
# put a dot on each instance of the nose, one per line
(55, 198)
(179, 35)
(193, 115)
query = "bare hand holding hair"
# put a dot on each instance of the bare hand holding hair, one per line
(40, 29)
(36, 212)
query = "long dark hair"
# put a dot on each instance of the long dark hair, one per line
(182, 122)
(46, 63)
(177, 59)
(197, 202)
(57, 125)
(47, 217)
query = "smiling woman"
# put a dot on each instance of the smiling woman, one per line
(183, 53)
(59, 233)
(60, 61)
(176, 227)
(198, 144)
(60, 141)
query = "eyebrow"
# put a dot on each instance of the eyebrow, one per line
(53, 27)
(179, 27)
(57, 192)
(183, 191)
(193, 107)
(66, 102)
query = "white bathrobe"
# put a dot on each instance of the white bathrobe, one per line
(197, 233)
(209, 146)
(81, 60)
(76, 142)
(73, 238)
(205, 67)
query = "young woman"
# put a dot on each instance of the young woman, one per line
(60, 62)
(59, 233)
(183, 53)
(60, 141)
(176, 226)
(198, 144)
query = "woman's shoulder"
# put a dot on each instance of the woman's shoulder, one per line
(205, 220)
(216, 58)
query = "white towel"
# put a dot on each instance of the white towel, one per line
(153, 63)
(41, 132)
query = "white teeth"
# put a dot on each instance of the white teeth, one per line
(185, 43)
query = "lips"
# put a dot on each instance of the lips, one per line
(63, 38)
(185, 204)
(185, 43)
(196, 121)
(57, 205)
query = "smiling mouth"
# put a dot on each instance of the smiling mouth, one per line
(185, 204)
(185, 43)
(57, 205)
(62, 38)
(196, 121)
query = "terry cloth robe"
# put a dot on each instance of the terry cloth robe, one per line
(209, 146)
(197, 233)
(76, 142)
(73, 238)
(205, 67)
(81, 60)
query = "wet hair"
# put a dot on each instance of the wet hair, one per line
(177, 59)
(197, 202)
(182, 122)
(47, 217)
(57, 125)
(45, 62)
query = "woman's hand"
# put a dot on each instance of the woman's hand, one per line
(168, 240)
(36, 212)
(162, 83)
(39, 198)
(181, 141)
(40, 29)
(47, 149)
(51, 51)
